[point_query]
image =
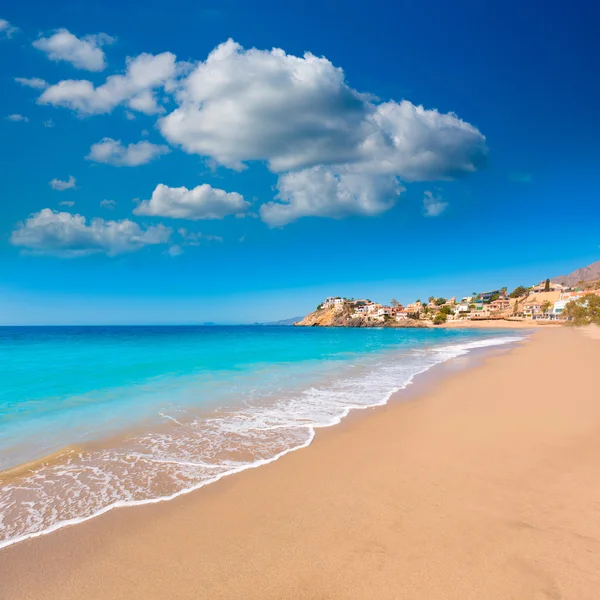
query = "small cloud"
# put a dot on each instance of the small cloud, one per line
(524, 178)
(33, 82)
(113, 152)
(69, 235)
(175, 250)
(49, 123)
(433, 205)
(6, 29)
(16, 118)
(129, 115)
(59, 185)
(67, 203)
(110, 204)
(83, 53)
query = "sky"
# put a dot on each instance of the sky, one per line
(237, 162)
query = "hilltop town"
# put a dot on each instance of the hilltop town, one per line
(544, 303)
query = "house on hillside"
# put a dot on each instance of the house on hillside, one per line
(487, 296)
(541, 287)
(531, 309)
(499, 305)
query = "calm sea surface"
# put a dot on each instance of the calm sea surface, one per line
(143, 414)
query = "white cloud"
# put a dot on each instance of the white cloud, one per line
(67, 203)
(67, 235)
(16, 118)
(49, 123)
(58, 184)
(322, 192)
(144, 74)
(112, 152)
(297, 112)
(201, 202)
(175, 250)
(6, 29)
(110, 204)
(85, 53)
(33, 82)
(433, 205)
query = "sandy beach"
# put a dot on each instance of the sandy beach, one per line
(482, 484)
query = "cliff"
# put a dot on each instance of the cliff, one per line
(331, 317)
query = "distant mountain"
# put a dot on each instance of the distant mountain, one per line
(589, 273)
(285, 321)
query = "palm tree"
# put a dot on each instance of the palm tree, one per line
(394, 302)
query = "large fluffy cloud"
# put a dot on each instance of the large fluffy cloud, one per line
(241, 105)
(322, 192)
(83, 53)
(294, 113)
(144, 74)
(68, 235)
(201, 202)
(113, 152)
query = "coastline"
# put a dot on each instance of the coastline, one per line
(391, 499)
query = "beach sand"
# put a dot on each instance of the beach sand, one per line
(483, 485)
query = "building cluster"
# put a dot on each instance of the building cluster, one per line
(545, 301)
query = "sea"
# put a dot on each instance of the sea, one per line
(94, 418)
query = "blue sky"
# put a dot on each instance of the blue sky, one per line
(155, 172)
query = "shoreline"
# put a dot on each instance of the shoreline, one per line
(398, 502)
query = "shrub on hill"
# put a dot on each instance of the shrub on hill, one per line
(440, 318)
(584, 310)
(519, 291)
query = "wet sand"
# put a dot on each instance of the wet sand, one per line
(483, 485)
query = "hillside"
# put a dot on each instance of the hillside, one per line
(332, 317)
(589, 273)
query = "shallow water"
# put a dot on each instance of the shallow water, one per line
(154, 412)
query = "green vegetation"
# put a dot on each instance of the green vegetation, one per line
(584, 310)
(394, 302)
(494, 297)
(440, 301)
(519, 291)
(546, 306)
(440, 318)
(446, 310)
(547, 286)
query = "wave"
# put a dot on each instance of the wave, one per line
(194, 451)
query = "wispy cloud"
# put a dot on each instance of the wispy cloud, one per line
(32, 82)
(433, 205)
(6, 29)
(17, 118)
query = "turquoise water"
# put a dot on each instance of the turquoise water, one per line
(154, 412)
